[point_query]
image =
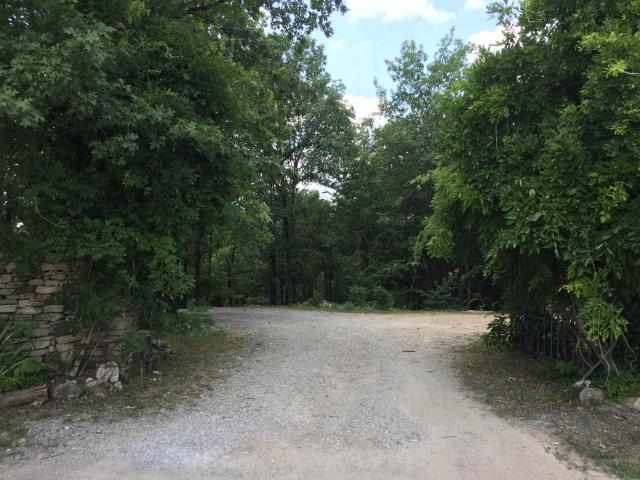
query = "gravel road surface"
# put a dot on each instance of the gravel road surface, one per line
(321, 396)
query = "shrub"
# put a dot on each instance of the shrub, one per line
(17, 369)
(135, 347)
(500, 332)
(442, 295)
(346, 306)
(602, 319)
(622, 386)
(258, 301)
(193, 321)
(358, 296)
(375, 297)
(96, 305)
(317, 298)
(381, 298)
(560, 371)
(132, 343)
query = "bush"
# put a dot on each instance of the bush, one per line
(16, 368)
(135, 347)
(622, 386)
(96, 305)
(381, 298)
(376, 297)
(132, 343)
(358, 296)
(194, 321)
(317, 298)
(500, 332)
(559, 371)
(346, 306)
(161, 322)
(443, 295)
(193, 304)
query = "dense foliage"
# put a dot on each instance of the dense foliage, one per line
(17, 369)
(128, 127)
(538, 175)
(135, 136)
(356, 244)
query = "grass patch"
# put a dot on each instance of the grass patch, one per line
(182, 375)
(13, 429)
(515, 385)
(12, 432)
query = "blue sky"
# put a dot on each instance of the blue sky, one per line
(374, 30)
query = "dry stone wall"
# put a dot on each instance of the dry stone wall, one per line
(32, 299)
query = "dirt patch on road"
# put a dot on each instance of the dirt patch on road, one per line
(507, 380)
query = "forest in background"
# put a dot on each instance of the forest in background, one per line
(168, 147)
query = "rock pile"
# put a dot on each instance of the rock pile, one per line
(107, 374)
(592, 396)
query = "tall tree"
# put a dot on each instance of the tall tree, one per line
(380, 205)
(538, 161)
(313, 134)
(127, 125)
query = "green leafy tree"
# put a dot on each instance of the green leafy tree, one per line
(237, 267)
(128, 125)
(538, 167)
(380, 205)
(131, 118)
(313, 136)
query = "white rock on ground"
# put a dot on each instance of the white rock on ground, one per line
(108, 373)
(591, 396)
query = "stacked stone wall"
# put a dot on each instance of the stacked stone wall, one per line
(35, 300)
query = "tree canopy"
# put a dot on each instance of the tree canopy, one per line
(127, 126)
(538, 170)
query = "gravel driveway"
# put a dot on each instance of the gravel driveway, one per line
(322, 396)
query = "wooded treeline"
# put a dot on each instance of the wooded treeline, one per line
(355, 240)
(174, 147)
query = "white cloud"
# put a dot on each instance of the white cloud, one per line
(364, 107)
(390, 11)
(475, 5)
(490, 39)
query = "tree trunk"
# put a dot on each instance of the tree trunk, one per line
(273, 280)
(25, 396)
(199, 233)
(230, 265)
(289, 294)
